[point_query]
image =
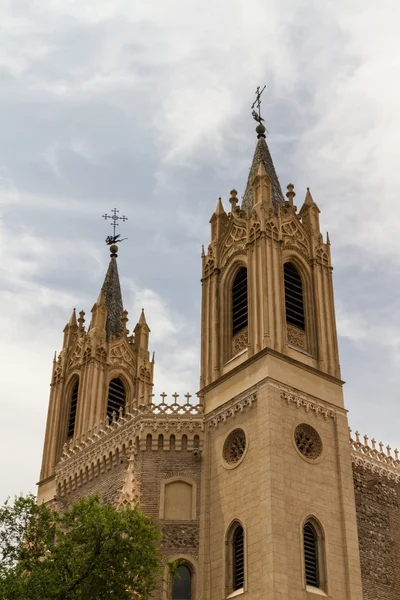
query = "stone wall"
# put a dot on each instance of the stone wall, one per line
(378, 518)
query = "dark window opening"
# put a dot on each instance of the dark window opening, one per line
(239, 301)
(293, 296)
(72, 410)
(182, 584)
(311, 555)
(116, 398)
(238, 558)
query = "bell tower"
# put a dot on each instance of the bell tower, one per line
(286, 266)
(100, 370)
(277, 454)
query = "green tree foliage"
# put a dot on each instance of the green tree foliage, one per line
(87, 551)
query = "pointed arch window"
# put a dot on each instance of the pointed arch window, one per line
(116, 398)
(72, 410)
(239, 301)
(238, 558)
(182, 583)
(294, 301)
(314, 555)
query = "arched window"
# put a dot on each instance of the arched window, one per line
(182, 583)
(313, 547)
(293, 296)
(116, 397)
(238, 558)
(72, 410)
(239, 301)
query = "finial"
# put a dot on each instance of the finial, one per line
(81, 320)
(290, 194)
(113, 240)
(260, 129)
(233, 200)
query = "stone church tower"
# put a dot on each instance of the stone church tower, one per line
(253, 482)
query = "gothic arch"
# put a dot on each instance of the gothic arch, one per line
(306, 342)
(186, 561)
(227, 281)
(73, 379)
(120, 373)
(230, 585)
(321, 552)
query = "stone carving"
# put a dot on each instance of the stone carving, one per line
(296, 337)
(240, 342)
(293, 235)
(231, 409)
(120, 353)
(75, 358)
(308, 404)
(234, 446)
(308, 441)
(377, 460)
(130, 494)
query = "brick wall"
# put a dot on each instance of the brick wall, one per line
(378, 518)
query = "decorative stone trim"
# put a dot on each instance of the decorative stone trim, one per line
(240, 341)
(238, 404)
(296, 337)
(308, 404)
(370, 458)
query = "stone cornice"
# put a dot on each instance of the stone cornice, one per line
(264, 352)
(307, 403)
(231, 408)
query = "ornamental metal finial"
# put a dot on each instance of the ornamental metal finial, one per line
(113, 239)
(257, 102)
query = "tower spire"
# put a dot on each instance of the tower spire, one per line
(261, 155)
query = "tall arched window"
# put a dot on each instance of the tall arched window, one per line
(239, 301)
(314, 555)
(72, 410)
(293, 296)
(116, 397)
(182, 583)
(238, 558)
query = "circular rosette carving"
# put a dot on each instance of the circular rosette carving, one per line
(235, 447)
(308, 441)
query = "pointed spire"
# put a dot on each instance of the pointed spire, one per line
(142, 319)
(308, 200)
(110, 294)
(220, 208)
(72, 322)
(262, 155)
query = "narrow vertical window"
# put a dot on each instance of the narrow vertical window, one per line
(182, 583)
(293, 296)
(116, 398)
(72, 410)
(238, 558)
(239, 301)
(311, 559)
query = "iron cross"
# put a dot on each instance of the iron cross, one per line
(113, 239)
(257, 102)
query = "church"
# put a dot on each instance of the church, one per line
(261, 490)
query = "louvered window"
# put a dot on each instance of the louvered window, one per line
(311, 555)
(239, 301)
(238, 558)
(116, 398)
(182, 584)
(293, 296)
(72, 410)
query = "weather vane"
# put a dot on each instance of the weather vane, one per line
(257, 102)
(114, 239)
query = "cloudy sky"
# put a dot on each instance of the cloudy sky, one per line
(145, 106)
